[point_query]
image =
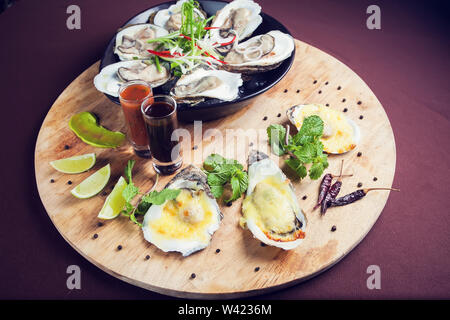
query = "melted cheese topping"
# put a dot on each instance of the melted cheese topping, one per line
(186, 217)
(338, 134)
(269, 206)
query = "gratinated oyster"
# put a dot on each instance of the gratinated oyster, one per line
(270, 209)
(186, 223)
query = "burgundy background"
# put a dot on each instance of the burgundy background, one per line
(406, 64)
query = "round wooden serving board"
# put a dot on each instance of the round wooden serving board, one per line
(315, 77)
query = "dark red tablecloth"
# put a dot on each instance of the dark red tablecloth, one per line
(406, 64)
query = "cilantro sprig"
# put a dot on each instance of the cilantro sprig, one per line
(153, 197)
(221, 171)
(303, 148)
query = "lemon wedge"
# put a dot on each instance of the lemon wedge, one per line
(93, 184)
(115, 202)
(76, 164)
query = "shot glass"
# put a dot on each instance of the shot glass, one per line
(131, 96)
(160, 117)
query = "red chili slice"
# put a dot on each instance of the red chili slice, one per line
(206, 53)
(229, 42)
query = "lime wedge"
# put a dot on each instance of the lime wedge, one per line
(93, 184)
(76, 164)
(115, 202)
(85, 126)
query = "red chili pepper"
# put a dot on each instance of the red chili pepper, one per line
(206, 53)
(161, 54)
(355, 196)
(223, 62)
(186, 37)
(323, 190)
(229, 42)
(211, 28)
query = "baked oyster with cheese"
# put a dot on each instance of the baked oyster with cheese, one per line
(186, 223)
(270, 209)
(340, 134)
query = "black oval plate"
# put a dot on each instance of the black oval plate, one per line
(213, 108)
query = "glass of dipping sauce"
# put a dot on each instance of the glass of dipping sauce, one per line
(160, 116)
(131, 96)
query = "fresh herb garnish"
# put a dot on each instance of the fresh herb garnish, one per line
(221, 171)
(303, 148)
(154, 197)
(190, 46)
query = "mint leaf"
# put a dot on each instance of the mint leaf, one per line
(160, 197)
(221, 171)
(316, 170)
(319, 148)
(304, 147)
(216, 190)
(217, 179)
(130, 192)
(301, 139)
(239, 184)
(277, 135)
(322, 158)
(306, 153)
(143, 207)
(128, 209)
(312, 126)
(243, 181)
(297, 166)
(236, 187)
(213, 161)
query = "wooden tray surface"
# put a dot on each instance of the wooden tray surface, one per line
(315, 77)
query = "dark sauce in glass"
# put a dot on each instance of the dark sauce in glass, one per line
(160, 128)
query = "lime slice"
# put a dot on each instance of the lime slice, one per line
(75, 164)
(93, 184)
(115, 202)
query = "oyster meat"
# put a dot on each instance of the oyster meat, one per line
(203, 83)
(260, 53)
(131, 42)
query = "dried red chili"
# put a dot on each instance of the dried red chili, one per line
(328, 193)
(355, 196)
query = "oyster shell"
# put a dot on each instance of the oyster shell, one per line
(131, 42)
(170, 18)
(240, 17)
(113, 76)
(260, 53)
(201, 83)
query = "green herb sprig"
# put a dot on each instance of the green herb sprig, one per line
(221, 171)
(303, 148)
(154, 197)
(184, 41)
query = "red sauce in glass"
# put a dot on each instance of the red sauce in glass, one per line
(131, 99)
